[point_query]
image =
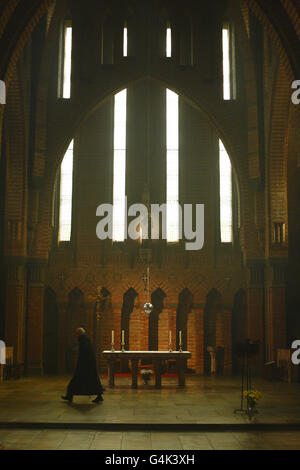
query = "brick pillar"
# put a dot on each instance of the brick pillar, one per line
(227, 341)
(116, 326)
(195, 337)
(255, 297)
(276, 327)
(15, 307)
(172, 328)
(138, 330)
(105, 329)
(62, 334)
(163, 332)
(35, 319)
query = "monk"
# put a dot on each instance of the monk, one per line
(86, 379)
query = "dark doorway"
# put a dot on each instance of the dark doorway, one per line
(76, 318)
(127, 308)
(185, 305)
(239, 328)
(212, 308)
(157, 300)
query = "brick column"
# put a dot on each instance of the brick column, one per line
(195, 337)
(255, 297)
(62, 333)
(15, 307)
(163, 332)
(227, 341)
(138, 330)
(276, 326)
(35, 319)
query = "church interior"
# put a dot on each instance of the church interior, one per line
(116, 103)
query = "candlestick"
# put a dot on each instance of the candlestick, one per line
(170, 341)
(123, 341)
(112, 341)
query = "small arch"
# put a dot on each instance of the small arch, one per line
(157, 300)
(104, 300)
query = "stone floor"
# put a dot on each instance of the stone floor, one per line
(168, 418)
(92, 440)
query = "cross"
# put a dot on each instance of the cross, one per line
(145, 280)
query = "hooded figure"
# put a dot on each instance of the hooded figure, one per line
(85, 380)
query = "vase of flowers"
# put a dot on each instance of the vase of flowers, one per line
(146, 374)
(252, 397)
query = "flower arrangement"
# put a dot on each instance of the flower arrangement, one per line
(252, 396)
(146, 372)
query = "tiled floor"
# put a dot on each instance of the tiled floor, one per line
(205, 400)
(91, 440)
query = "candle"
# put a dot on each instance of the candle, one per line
(170, 337)
(122, 336)
(112, 336)
(180, 339)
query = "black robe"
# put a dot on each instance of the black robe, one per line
(85, 380)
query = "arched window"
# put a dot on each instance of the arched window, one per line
(168, 41)
(229, 80)
(119, 177)
(65, 196)
(125, 41)
(225, 176)
(172, 140)
(65, 67)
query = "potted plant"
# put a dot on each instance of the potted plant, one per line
(146, 374)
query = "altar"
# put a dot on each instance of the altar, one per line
(156, 356)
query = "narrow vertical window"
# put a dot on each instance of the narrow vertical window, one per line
(66, 191)
(172, 166)
(119, 197)
(226, 63)
(66, 62)
(169, 43)
(125, 42)
(225, 195)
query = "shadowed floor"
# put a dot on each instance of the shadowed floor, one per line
(204, 401)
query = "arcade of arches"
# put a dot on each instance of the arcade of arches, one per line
(218, 296)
